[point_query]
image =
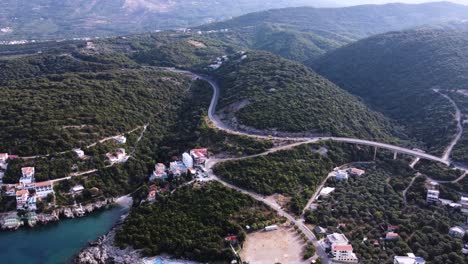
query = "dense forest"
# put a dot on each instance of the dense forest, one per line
(395, 73)
(193, 222)
(266, 92)
(295, 173)
(364, 206)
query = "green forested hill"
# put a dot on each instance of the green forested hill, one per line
(305, 33)
(267, 92)
(396, 72)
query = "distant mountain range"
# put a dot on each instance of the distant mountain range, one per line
(56, 19)
(304, 33)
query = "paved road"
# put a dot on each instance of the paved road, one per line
(458, 119)
(222, 126)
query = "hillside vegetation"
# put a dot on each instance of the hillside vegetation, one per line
(267, 92)
(305, 33)
(396, 72)
(193, 222)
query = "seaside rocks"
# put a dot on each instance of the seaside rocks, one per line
(103, 251)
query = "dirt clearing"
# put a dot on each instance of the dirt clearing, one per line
(283, 245)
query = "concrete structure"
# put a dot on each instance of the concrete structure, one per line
(457, 231)
(341, 175)
(320, 230)
(343, 253)
(187, 160)
(410, 259)
(326, 191)
(121, 139)
(271, 228)
(337, 239)
(11, 221)
(432, 196)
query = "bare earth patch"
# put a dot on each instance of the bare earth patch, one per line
(279, 199)
(283, 245)
(197, 44)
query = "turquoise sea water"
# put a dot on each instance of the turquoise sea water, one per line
(56, 243)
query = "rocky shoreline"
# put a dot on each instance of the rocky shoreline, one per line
(66, 212)
(103, 251)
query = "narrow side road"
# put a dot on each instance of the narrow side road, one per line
(458, 119)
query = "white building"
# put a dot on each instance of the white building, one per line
(464, 204)
(457, 231)
(410, 259)
(118, 156)
(199, 156)
(187, 160)
(79, 153)
(432, 196)
(177, 168)
(77, 189)
(121, 139)
(341, 175)
(27, 176)
(343, 253)
(44, 188)
(3, 157)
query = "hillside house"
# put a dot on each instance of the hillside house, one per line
(120, 139)
(159, 172)
(77, 189)
(177, 168)
(343, 253)
(326, 191)
(391, 236)
(79, 153)
(199, 156)
(118, 157)
(356, 172)
(3, 157)
(27, 176)
(43, 189)
(457, 232)
(10, 190)
(152, 192)
(21, 198)
(432, 196)
(410, 259)
(464, 204)
(341, 175)
(392, 228)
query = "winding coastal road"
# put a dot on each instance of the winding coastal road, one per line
(305, 140)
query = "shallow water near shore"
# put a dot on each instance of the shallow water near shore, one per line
(57, 243)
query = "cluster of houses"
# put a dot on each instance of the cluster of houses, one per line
(340, 248)
(343, 175)
(27, 191)
(190, 161)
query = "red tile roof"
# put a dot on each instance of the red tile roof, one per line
(342, 247)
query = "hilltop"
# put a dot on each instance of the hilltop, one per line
(305, 33)
(396, 73)
(267, 92)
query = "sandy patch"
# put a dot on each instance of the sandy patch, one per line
(197, 44)
(279, 199)
(283, 245)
